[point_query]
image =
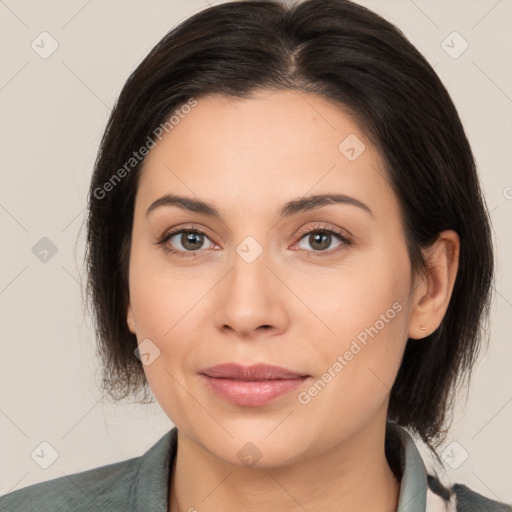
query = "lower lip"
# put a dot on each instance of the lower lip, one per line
(252, 393)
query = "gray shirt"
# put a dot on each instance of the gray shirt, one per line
(141, 484)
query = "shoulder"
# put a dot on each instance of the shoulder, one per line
(107, 487)
(471, 501)
(424, 492)
(460, 498)
(140, 483)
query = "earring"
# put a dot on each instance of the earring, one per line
(423, 328)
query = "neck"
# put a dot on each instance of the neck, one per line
(353, 475)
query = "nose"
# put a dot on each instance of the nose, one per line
(252, 298)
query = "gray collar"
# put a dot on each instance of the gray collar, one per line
(153, 476)
(413, 486)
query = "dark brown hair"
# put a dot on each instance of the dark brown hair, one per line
(364, 64)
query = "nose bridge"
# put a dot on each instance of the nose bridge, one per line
(250, 274)
(249, 297)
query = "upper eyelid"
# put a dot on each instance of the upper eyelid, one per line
(173, 232)
(319, 227)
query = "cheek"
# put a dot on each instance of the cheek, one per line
(160, 297)
(357, 369)
(366, 308)
(160, 303)
(368, 293)
(166, 303)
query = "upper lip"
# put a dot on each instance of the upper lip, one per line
(253, 372)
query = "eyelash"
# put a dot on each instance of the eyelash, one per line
(347, 241)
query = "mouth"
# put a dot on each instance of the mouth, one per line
(253, 372)
(251, 386)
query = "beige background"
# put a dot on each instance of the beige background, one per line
(53, 112)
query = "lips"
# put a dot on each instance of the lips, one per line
(251, 386)
(252, 373)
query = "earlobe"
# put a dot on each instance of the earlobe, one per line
(130, 319)
(432, 295)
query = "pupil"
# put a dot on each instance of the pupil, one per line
(188, 240)
(317, 237)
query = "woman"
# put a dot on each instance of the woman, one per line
(288, 246)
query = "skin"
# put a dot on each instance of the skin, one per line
(299, 304)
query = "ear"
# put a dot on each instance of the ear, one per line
(431, 293)
(130, 319)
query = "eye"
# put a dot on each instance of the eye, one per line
(186, 241)
(182, 241)
(320, 240)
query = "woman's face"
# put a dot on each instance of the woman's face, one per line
(254, 287)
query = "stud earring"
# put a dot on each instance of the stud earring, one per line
(423, 328)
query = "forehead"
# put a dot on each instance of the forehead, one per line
(274, 145)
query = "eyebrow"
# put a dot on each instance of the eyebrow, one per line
(290, 208)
